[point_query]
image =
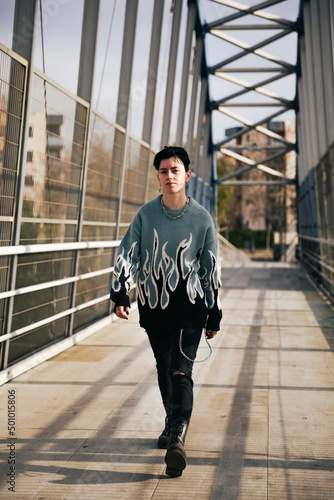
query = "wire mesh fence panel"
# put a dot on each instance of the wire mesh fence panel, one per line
(12, 93)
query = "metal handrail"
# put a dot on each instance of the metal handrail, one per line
(318, 264)
(319, 273)
(224, 243)
(317, 240)
(51, 319)
(56, 247)
(50, 284)
(33, 249)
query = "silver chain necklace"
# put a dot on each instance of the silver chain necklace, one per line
(177, 216)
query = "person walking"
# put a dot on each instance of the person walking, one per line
(170, 249)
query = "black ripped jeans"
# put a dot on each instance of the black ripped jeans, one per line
(176, 390)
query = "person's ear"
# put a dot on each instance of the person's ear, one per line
(188, 175)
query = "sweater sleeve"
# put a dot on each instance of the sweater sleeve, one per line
(127, 264)
(210, 274)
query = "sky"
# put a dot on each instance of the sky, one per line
(62, 20)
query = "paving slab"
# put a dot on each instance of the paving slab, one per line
(87, 420)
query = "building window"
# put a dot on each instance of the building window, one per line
(31, 132)
(30, 156)
(29, 180)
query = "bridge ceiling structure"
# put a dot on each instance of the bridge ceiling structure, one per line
(246, 74)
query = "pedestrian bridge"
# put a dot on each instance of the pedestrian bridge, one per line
(74, 170)
(86, 421)
(80, 409)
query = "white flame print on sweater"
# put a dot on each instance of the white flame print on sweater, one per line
(161, 272)
(125, 271)
(165, 274)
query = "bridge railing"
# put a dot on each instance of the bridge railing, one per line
(30, 290)
(67, 174)
(34, 323)
(229, 252)
(317, 256)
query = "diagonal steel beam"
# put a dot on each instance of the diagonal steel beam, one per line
(258, 183)
(253, 164)
(252, 87)
(255, 49)
(256, 126)
(248, 27)
(252, 105)
(248, 128)
(255, 10)
(254, 70)
(256, 147)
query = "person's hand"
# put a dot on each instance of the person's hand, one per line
(122, 312)
(210, 334)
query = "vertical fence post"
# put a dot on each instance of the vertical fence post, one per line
(194, 91)
(85, 91)
(192, 11)
(152, 74)
(24, 36)
(171, 73)
(200, 124)
(129, 36)
(121, 186)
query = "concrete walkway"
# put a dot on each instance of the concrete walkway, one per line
(86, 421)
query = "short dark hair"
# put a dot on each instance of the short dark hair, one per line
(172, 152)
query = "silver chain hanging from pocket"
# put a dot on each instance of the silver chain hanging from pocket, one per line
(189, 359)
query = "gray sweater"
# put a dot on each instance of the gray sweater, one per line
(176, 266)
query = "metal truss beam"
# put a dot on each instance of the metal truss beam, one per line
(256, 147)
(256, 87)
(247, 49)
(252, 105)
(252, 70)
(246, 9)
(253, 164)
(257, 126)
(257, 183)
(279, 70)
(248, 27)
(247, 129)
(232, 146)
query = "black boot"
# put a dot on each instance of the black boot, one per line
(176, 458)
(164, 437)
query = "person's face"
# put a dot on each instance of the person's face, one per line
(172, 176)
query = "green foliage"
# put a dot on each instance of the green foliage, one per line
(224, 167)
(241, 238)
